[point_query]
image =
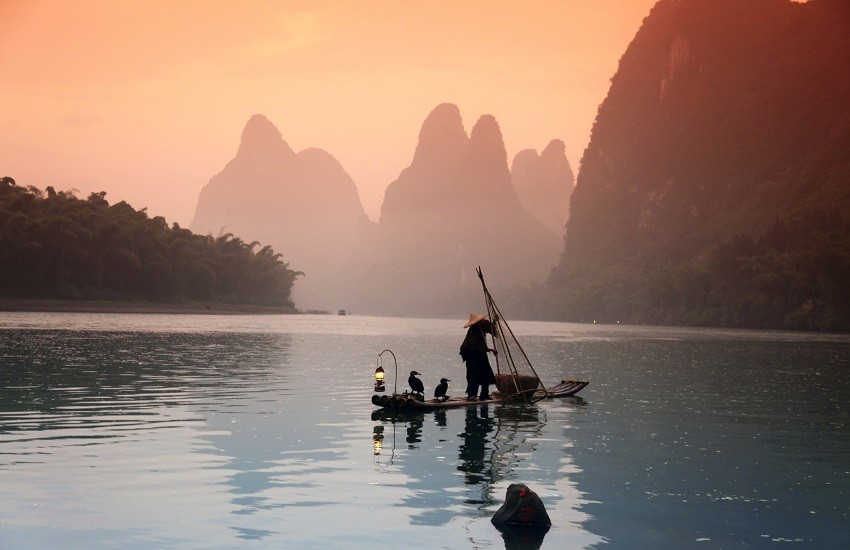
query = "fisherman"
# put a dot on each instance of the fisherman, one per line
(474, 350)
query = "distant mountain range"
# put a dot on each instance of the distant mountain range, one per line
(454, 208)
(715, 190)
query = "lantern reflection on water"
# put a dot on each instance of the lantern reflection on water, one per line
(378, 439)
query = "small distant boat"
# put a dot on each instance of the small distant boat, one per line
(511, 386)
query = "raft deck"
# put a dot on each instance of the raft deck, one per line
(566, 388)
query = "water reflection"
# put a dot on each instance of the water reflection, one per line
(461, 473)
(476, 460)
(152, 406)
(517, 537)
(378, 439)
(440, 418)
(169, 437)
(174, 439)
(106, 382)
(414, 431)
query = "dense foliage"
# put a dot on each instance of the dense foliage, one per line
(716, 186)
(55, 245)
(795, 276)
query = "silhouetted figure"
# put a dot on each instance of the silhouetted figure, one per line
(474, 350)
(415, 383)
(441, 389)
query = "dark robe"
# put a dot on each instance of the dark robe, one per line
(473, 350)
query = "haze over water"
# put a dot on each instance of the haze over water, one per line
(235, 431)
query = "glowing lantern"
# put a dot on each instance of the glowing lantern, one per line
(379, 379)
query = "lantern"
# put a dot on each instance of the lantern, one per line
(379, 379)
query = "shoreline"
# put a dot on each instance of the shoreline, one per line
(109, 306)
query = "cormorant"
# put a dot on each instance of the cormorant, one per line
(442, 388)
(415, 383)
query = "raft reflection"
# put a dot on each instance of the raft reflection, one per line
(495, 443)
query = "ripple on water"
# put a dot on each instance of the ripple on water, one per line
(184, 431)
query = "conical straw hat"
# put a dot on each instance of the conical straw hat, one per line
(474, 318)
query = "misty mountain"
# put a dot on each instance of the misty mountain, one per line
(544, 183)
(454, 208)
(716, 185)
(305, 205)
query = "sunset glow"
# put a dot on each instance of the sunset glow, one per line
(146, 100)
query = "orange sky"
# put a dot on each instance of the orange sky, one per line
(147, 99)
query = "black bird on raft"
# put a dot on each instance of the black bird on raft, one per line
(415, 383)
(442, 388)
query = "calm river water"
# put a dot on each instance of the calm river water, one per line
(187, 431)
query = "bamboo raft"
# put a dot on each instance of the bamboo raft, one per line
(407, 401)
(511, 386)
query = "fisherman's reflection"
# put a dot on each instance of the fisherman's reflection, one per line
(473, 448)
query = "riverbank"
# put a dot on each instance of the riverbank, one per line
(107, 306)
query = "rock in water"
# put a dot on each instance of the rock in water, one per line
(522, 507)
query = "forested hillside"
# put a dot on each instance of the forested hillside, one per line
(716, 186)
(55, 245)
